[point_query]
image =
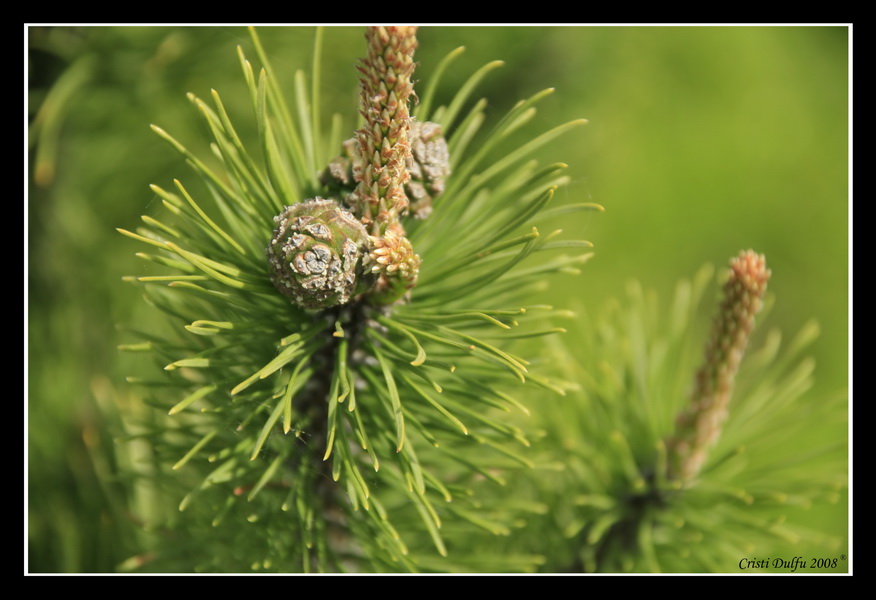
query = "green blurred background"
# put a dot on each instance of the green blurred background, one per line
(701, 141)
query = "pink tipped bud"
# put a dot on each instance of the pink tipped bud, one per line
(383, 141)
(699, 426)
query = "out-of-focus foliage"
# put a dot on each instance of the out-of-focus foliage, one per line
(617, 506)
(702, 141)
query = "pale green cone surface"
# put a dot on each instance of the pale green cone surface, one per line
(315, 253)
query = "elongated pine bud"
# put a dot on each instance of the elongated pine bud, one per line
(698, 427)
(381, 158)
(383, 152)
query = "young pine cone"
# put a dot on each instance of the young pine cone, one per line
(337, 177)
(315, 254)
(429, 166)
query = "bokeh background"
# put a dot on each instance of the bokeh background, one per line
(701, 141)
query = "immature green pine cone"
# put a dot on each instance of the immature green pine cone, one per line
(337, 177)
(315, 254)
(429, 166)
